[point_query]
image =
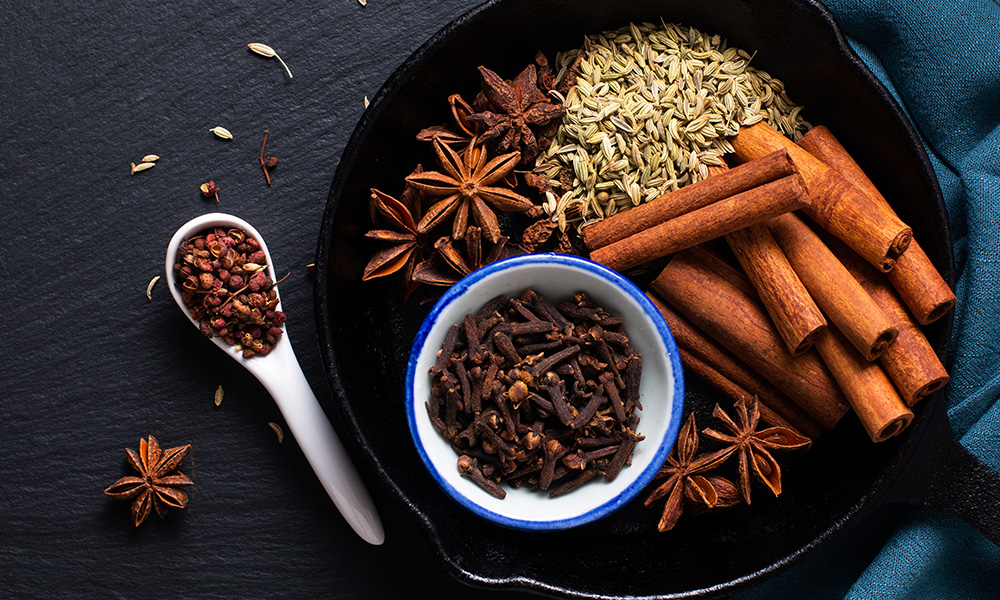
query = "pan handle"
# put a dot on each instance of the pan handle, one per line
(943, 474)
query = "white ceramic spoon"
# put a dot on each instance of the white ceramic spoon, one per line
(281, 374)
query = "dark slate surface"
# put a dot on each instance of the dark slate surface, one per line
(89, 365)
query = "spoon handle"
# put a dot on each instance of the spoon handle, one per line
(322, 448)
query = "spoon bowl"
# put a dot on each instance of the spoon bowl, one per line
(281, 375)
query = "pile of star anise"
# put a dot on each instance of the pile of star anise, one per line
(692, 479)
(444, 225)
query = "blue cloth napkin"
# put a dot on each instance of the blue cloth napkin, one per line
(941, 59)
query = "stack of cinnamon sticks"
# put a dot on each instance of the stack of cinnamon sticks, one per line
(824, 315)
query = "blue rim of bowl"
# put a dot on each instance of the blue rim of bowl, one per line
(641, 481)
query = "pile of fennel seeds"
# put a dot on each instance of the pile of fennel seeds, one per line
(652, 109)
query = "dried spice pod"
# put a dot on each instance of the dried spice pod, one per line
(515, 106)
(691, 481)
(158, 484)
(470, 190)
(754, 447)
(537, 393)
(685, 483)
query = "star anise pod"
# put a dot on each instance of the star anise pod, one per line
(754, 447)
(685, 484)
(463, 131)
(157, 484)
(406, 249)
(467, 185)
(453, 260)
(518, 104)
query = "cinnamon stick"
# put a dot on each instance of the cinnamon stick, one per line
(910, 362)
(714, 262)
(691, 197)
(921, 286)
(740, 324)
(918, 282)
(872, 230)
(723, 371)
(746, 208)
(838, 294)
(867, 387)
(793, 311)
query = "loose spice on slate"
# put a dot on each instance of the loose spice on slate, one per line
(224, 283)
(159, 482)
(267, 163)
(149, 287)
(538, 393)
(210, 190)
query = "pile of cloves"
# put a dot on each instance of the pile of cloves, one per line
(538, 393)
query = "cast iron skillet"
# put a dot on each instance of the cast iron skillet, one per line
(366, 330)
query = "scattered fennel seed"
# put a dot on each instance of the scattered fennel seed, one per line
(149, 288)
(136, 168)
(268, 52)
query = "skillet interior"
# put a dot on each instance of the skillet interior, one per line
(366, 330)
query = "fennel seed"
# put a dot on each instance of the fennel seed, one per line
(149, 288)
(277, 431)
(268, 52)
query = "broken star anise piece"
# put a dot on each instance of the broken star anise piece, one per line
(754, 447)
(518, 105)
(463, 132)
(467, 185)
(546, 74)
(453, 260)
(406, 244)
(536, 234)
(684, 480)
(158, 483)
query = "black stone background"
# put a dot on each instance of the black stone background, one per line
(88, 365)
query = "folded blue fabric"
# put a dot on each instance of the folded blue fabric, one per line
(941, 59)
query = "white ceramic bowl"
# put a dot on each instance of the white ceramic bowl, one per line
(558, 277)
